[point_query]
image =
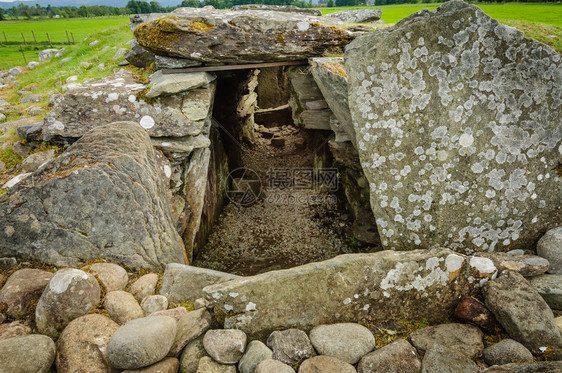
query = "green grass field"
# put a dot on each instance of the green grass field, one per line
(532, 12)
(10, 54)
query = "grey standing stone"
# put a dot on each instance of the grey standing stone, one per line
(550, 289)
(446, 135)
(112, 276)
(122, 307)
(256, 352)
(144, 286)
(163, 62)
(71, 293)
(81, 347)
(346, 341)
(460, 338)
(439, 359)
(208, 365)
(268, 366)
(139, 56)
(397, 357)
(550, 248)
(325, 364)
(141, 342)
(22, 289)
(168, 365)
(120, 53)
(154, 303)
(278, 8)
(189, 327)
(290, 346)
(225, 345)
(27, 354)
(507, 351)
(522, 312)
(101, 198)
(191, 355)
(182, 283)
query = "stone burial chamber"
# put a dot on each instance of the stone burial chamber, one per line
(446, 133)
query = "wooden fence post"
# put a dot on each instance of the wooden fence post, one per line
(23, 37)
(23, 55)
(71, 34)
(49, 39)
(67, 38)
(34, 39)
(5, 38)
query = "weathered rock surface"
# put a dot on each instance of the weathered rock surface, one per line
(522, 312)
(154, 303)
(175, 313)
(190, 327)
(346, 341)
(122, 306)
(460, 338)
(448, 131)
(225, 346)
(168, 365)
(471, 311)
(507, 351)
(208, 365)
(182, 283)
(35, 160)
(440, 359)
(139, 56)
(192, 353)
(357, 16)
(326, 364)
(397, 357)
(538, 367)
(22, 290)
(331, 78)
(278, 8)
(144, 286)
(102, 198)
(525, 265)
(169, 84)
(112, 276)
(46, 54)
(268, 366)
(27, 354)
(305, 91)
(13, 329)
(82, 345)
(382, 286)
(246, 36)
(290, 346)
(550, 289)
(550, 247)
(256, 352)
(141, 342)
(118, 98)
(71, 293)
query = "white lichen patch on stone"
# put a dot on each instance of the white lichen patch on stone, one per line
(60, 283)
(474, 178)
(147, 122)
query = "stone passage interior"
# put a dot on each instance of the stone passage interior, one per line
(283, 202)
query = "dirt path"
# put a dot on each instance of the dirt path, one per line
(285, 228)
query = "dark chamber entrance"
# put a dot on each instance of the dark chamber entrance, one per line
(284, 205)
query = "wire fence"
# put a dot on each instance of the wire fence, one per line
(18, 48)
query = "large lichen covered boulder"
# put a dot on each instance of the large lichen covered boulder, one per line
(366, 288)
(102, 198)
(121, 97)
(278, 8)
(224, 36)
(458, 128)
